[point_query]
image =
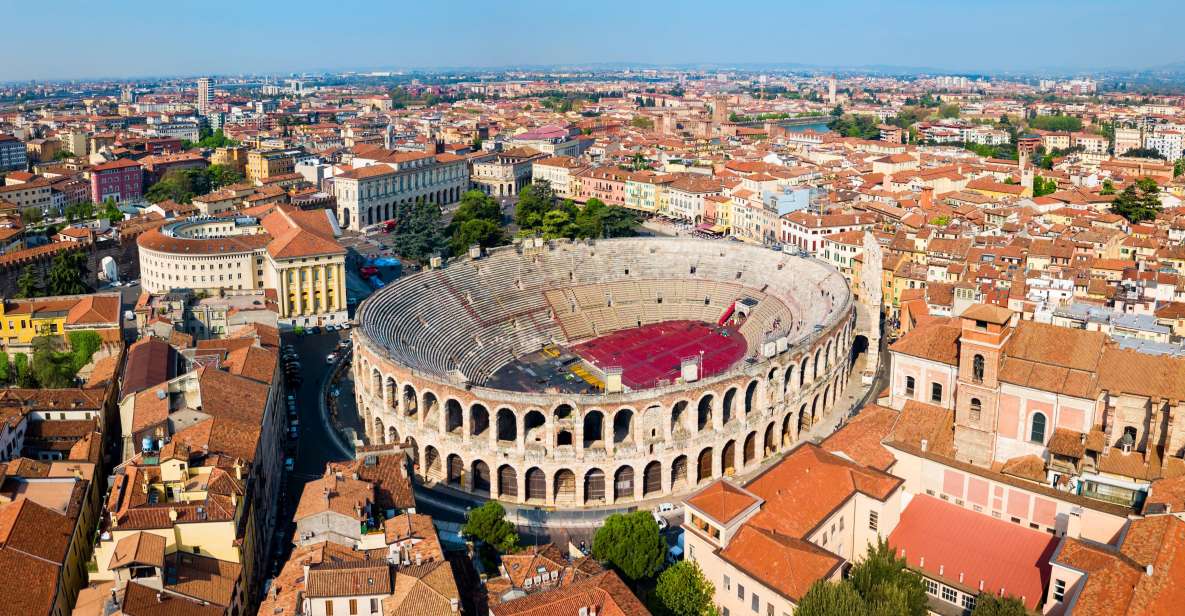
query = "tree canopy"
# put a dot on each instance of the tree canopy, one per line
(631, 543)
(987, 604)
(478, 220)
(182, 185)
(1138, 202)
(488, 524)
(862, 126)
(1043, 186)
(879, 585)
(419, 234)
(66, 274)
(54, 368)
(1060, 123)
(682, 590)
(539, 212)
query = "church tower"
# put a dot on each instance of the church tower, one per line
(1026, 171)
(985, 331)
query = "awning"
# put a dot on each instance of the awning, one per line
(704, 226)
(719, 229)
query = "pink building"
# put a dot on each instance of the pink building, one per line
(120, 179)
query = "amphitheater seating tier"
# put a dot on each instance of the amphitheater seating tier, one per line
(475, 316)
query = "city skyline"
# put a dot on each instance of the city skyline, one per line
(152, 40)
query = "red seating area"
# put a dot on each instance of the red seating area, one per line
(651, 353)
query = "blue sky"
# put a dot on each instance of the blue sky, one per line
(117, 38)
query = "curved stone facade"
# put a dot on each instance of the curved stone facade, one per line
(586, 450)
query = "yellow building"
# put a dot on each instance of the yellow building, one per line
(264, 164)
(231, 156)
(21, 320)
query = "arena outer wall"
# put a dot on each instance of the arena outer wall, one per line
(593, 450)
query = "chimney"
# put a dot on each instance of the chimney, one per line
(1148, 571)
(927, 197)
(925, 445)
(454, 604)
(172, 514)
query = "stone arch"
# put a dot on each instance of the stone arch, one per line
(376, 383)
(432, 465)
(563, 411)
(750, 397)
(623, 483)
(769, 445)
(728, 457)
(536, 485)
(535, 428)
(815, 368)
(623, 426)
(563, 438)
(454, 470)
(507, 425)
(749, 451)
(679, 419)
(703, 465)
(391, 394)
(802, 371)
(814, 409)
(649, 424)
(679, 474)
(788, 380)
(564, 487)
(409, 400)
(787, 429)
(826, 398)
(431, 406)
(454, 416)
(728, 404)
(652, 479)
(804, 420)
(704, 413)
(594, 486)
(594, 428)
(480, 475)
(479, 419)
(414, 449)
(392, 435)
(379, 433)
(507, 482)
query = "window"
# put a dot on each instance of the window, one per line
(969, 603)
(741, 592)
(1059, 590)
(873, 518)
(936, 392)
(755, 604)
(977, 368)
(329, 607)
(949, 594)
(727, 583)
(976, 409)
(353, 606)
(909, 386)
(931, 586)
(1037, 433)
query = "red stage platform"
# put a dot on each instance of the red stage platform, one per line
(651, 353)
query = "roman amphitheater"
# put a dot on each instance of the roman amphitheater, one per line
(586, 374)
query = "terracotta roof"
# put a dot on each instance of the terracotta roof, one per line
(342, 495)
(860, 439)
(722, 501)
(969, 547)
(605, 592)
(139, 548)
(349, 579)
(937, 341)
(140, 600)
(786, 564)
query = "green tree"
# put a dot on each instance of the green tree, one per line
(83, 345)
(861, 126)
(642, 122)
(216, 139)
(66, 274)
(51, 368)
(24, 376)
(4, 368)
(31, 216)
(1179, 167)
(948, 110)
(79, 211)
(1144, 153)
(488, 525)
(485, 233)
(1060, 123)
(419, 232)
(837, 111)
(631, 543)
(886, 585)
(1138, 202)
(28, 284)
(831, 599)
(111, 211)
(1108, 187)
(222, 175)
(1044, 186)
(987, 604)
(533, 202)
(682, 590)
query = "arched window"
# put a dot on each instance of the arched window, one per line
(936, 393)
(976, 409)
(1037, 433)
(909, 386)
(977, 368)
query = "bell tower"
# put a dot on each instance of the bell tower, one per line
(984, 332)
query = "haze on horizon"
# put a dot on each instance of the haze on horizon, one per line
(137, 38)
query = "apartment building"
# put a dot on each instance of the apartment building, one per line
(382, 180)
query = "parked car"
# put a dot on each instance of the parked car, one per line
(289, 464)
(331, 358)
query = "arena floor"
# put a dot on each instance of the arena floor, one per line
(651, 354)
